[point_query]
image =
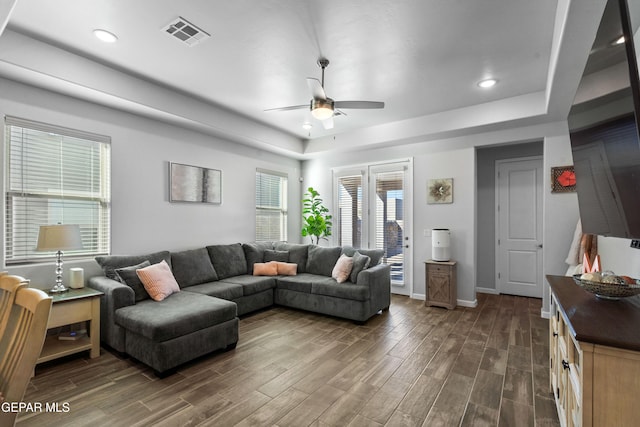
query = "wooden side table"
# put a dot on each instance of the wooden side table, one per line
(73, 306)
(440, 284)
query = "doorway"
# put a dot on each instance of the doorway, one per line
(519, 226)
(374, 211)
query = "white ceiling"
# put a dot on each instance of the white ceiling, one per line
(420, 57)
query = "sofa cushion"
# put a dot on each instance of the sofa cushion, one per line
(273, 255)
(328, 286)
(228, 260)
(219, 289)
(322, 260)
(265, 269)
(177, 315)
(109, 263)
(360, 262)
(129, 277)
(192, 267)
(158, 280)
(252, 284)
(254, 252)
(300, 283)
(375, 254)
(342, 270)
(287, 268)
(297, 254)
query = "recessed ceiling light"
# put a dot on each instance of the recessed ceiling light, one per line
(105, 36)
(307, 125)
(487, 83)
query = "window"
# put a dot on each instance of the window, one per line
(55, 176)
(350, 211)
(271, 206)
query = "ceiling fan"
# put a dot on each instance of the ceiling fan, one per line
(324, 108)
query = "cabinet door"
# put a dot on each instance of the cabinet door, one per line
(439, 285)
(553, 354)
(562, 394)
(574, 415)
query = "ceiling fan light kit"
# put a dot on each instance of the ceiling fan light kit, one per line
(322, 109)
(321, 106)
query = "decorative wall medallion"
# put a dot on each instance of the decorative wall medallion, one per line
(440, 191)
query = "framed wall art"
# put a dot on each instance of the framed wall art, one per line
(563, 179)
(194, 184)
(440, 191)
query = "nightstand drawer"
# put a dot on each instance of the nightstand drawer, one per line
(70, 312)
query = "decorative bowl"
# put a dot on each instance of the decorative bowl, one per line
(607, 290)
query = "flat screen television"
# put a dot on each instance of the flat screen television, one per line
(603, 126)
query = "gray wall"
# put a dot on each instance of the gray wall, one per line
(486, 173)
(142, 218)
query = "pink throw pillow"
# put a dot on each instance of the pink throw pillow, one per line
(342, 269)
(287, 268)
(158, 280)
(265, 269)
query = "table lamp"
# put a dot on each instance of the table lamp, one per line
(60, 237)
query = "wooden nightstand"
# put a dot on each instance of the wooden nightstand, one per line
(440, 284)
(73, 306)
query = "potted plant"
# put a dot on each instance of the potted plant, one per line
(317, 221)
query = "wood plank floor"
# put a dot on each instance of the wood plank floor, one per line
(410, 366)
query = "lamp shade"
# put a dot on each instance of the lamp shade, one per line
(60, 237)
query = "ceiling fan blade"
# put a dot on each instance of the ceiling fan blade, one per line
(358, 104)
(316, 88)
(328, 123)
(291, 107)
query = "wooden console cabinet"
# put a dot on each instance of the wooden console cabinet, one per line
(441, 286)
(594, 357)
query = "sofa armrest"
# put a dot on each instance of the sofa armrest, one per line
(378, 279)
(116, 295)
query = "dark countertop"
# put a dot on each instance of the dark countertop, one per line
(595, 320)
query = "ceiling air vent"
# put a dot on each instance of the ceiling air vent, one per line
(186, 32)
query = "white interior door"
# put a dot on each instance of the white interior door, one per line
(519, 227)
(390, 222)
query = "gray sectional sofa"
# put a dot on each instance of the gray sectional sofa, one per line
(217, 285)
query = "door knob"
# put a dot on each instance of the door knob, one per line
(540, 246)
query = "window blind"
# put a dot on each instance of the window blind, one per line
(390, 220)
(350, 211)
(55, 175)
(271, 206)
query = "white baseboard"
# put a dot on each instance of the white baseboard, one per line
(488, 291)
(463, 303)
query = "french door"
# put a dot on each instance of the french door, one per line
(374, 211)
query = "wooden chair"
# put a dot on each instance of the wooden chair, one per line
(21, 344)
(9, 285)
